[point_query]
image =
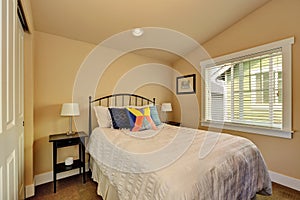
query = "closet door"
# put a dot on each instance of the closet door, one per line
(11, 104)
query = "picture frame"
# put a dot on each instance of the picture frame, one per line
(186, 84)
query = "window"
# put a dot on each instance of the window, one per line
(250, 90)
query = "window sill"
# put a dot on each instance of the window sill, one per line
(250, 129)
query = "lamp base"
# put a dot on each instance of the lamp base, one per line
(71, 132)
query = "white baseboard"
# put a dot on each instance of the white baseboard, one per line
(285, 180)
(29, 191)
(48, 177)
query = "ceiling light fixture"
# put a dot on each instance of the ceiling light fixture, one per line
(137, 32)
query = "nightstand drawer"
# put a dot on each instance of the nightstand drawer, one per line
(69, 142)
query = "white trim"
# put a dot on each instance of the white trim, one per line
(286, 46)
(250, 129)
(48, 176)
(285, 180)
(287, 86)
(29, 191)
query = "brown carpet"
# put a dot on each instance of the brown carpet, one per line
(71, 188)
(281, 193)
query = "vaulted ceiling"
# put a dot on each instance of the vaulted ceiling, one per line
(93, 21)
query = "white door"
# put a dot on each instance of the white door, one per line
(11, 104)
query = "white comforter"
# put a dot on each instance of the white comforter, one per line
(179, 163)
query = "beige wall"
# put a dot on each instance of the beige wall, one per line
(127, 63)
(185, 68)
(120, 67)
(162, 95)
(274, 21)
(56, 61)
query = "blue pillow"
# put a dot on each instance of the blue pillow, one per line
(154, 115)
(119, 118)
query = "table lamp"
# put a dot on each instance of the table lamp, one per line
(70, 110)
(166, 107)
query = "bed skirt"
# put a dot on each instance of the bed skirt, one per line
(104, 188)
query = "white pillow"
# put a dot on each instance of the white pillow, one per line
(103, 116)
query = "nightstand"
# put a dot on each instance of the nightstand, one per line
(64, 140)
(173, 123)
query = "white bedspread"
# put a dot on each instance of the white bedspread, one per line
(176, 163)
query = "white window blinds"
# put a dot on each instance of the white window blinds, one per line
(246, 90)
(250, 90)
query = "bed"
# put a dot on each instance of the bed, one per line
(159, 161)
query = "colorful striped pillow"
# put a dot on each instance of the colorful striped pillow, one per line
(140, 119)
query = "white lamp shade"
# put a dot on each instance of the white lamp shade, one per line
(70, 109)
(166, 107)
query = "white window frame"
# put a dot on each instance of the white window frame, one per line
(286, 131)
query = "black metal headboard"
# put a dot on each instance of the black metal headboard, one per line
(121, 99)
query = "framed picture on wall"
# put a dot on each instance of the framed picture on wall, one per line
(186, 84)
